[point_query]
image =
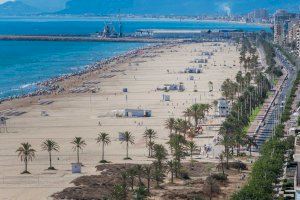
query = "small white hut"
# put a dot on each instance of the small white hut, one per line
(166, 97)
(223, 107)
(76, 168)
(137, 113)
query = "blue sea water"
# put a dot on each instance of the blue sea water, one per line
(24, 63)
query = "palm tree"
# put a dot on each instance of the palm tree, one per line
(50, 146)
(79, 144)
(221, 159)
(177, 143)
(150, 134)
(131, 172)
(139, 171)
(184, 126)
(26, 153)
(211, 187)
(128, 138)
(192, 147)
(251, 142)
(105, 140)
(172, 168)
(148, 173)
(197, 111)
(170, 124)
(160, 155)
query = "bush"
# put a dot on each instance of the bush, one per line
(238, 165)
(220, 177)
(243, 154)
(184, 174)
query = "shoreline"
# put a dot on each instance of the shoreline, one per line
(132, 18)
(70, 115)
(50, 85)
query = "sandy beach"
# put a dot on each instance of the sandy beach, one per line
(74, 113)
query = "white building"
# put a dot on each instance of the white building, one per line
(137, 113)
(223, 108)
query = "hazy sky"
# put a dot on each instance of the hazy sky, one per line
(190, 6)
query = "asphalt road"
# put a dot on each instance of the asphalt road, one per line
(273, 117)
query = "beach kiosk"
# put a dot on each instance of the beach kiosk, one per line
(137, 113)
(166, 97)
(76, 168)
(223, 107)
(121, 137)
(181, 87)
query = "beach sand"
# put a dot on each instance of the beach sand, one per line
(78, 115)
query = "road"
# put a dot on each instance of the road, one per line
(272, 118)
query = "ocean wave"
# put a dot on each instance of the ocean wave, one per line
(29, 85)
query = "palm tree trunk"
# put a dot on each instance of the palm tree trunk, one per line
(103, 151)
(132, 183)
(77, 155)
(149, 153)
(222, 167)
(50, 159)
(25, 161)
(210, 195)
(127, 145)
(227, 157)
(148, 184)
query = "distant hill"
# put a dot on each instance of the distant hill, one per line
(13, 8)
(176, 7)
(50, 6)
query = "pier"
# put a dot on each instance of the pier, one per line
(80, 38)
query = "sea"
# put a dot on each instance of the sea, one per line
(25, 63)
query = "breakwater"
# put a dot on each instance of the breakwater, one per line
(80, 38)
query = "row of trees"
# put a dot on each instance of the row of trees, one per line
(245, 97)
(268, 168)
(270, 57)
(165, 163)
(290, 99)
(27, 153)
(186, 127)
(248, 55)
(246, 93)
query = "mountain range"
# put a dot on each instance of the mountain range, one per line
(151, 7)
(17, 8)
(176, 7)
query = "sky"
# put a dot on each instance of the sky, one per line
(161, 6)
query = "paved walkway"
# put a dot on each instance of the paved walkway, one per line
(259, 120)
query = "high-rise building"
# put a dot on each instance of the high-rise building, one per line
(281, 25)
(278, 32)
(298, 38)
(293, 37)
(259, 15)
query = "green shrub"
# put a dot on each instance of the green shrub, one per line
(238, 165)
(220, 177)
